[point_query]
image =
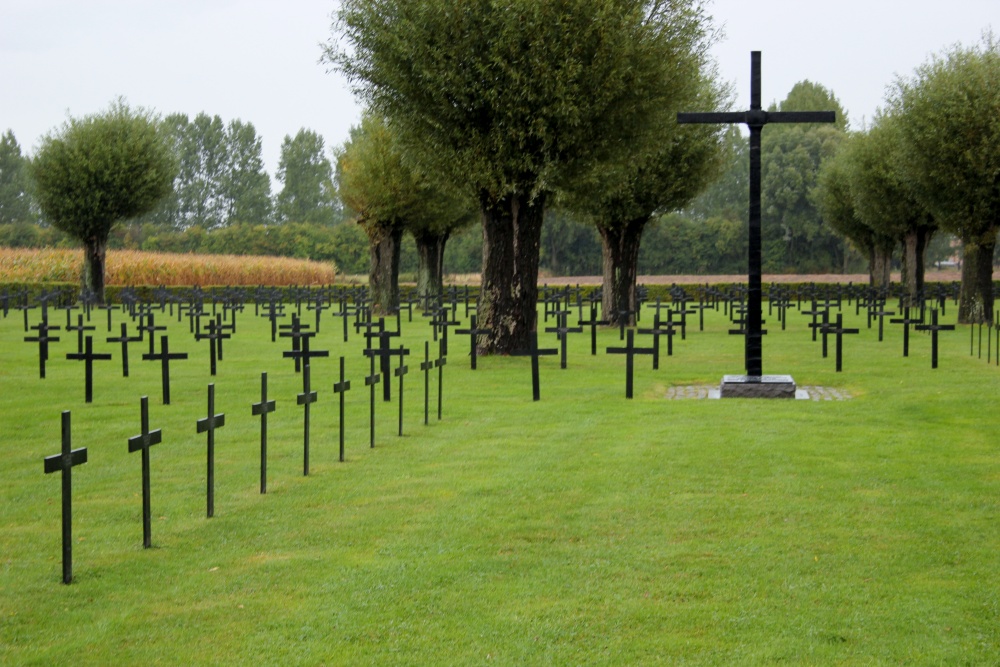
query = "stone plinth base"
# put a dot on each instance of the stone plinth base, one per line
(763, 386)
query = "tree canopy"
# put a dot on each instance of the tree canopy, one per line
(15, 202)
(98, 171)
(949, 125)
(308, 193)
(515, 98)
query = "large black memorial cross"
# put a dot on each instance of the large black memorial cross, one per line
(756, 118)
(143, 442)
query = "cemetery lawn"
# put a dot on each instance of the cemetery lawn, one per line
(582, 529)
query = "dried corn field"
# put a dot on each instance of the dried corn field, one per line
(132, 267)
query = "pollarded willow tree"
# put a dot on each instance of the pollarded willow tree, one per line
(949, 124)
(514, 97)
(886, 203)
(836, 205)
(97, 172)
(662, 174)
(391, 194)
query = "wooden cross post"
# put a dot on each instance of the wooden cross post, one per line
(341, 388)
(209, 424)
(64, 463)
(143, 442)
(756, 118)
(262, 409)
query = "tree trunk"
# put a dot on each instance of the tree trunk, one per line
(383, 272)
(620, 254)
(880, 267)
(976, 301)
(430, 267)
(914, 250)
(94, 256)
(508, 295)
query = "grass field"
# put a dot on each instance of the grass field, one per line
(582, 529)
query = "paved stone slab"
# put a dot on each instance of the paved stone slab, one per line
(810, 393)
(763, 386)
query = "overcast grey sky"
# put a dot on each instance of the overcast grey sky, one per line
(257, 60)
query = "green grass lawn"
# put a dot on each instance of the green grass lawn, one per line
(582, 529)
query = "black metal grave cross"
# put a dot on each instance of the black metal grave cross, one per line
(442, 322)
(305, 399)
(534, 353)
(562, 332)
(143, 442)
(593, 323)
(64, 462)
(208, 425)
(79, 329)
(439, 364)
(906, 321)
(151, 328)
(934, 328)
(89, 358)
(262, 409)
(341, 388)
(426, 365)
(370, 381)
(165, 357)
(383, 352)
(399, 372)
(43, 339)
(756, 118)
(124, 339)
(474, 332)
(839, 330)
(630, 350)
(661, 329)
(214, 338)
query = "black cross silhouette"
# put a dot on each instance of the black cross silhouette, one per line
(756, 118)
(124, 339)
(64, 462)
(593, 323)
(934, 328)
(399, 372)
(151, 328)
(342, 388)
(370, 381)
(839, 330)
(89, 358)
(534, 353)
(906, 321)
(143, 442)
(562, 332)
(165, 357)
(474, 332)
(208, 425)
(630, 350)
(43, 339)
(262, 409)
(426, 365)
(305, 399)
(439, 364)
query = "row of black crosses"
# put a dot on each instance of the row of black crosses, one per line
(68, 458)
